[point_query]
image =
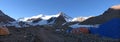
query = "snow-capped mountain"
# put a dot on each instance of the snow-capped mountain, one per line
(54, 20)
(60, 19)
(81, 19)
(44, 17)
(41, 19)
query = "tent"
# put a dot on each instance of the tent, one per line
(108, 29)
(79, 30)
(4, 31)
(69, 30)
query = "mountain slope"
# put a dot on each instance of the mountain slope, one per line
(60, 20)
(5, 18)
(113, 12)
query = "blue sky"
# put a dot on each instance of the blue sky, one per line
(73, 8)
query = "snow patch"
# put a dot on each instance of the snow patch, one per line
(77, 26)
(80, 18)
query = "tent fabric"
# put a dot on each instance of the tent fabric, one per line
(108, 29)
(84, 30)
(93, 30)
(4, 31)
(69, 30)
(79, 30)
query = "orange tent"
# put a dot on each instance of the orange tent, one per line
(4, 31)
(84, 30)
(80, 30)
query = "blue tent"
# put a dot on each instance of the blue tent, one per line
(69, 30)
(108, 29)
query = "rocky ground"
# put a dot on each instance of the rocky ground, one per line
(40, 34)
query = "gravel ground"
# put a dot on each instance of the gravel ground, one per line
(37, 34)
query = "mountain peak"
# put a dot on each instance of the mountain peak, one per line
(117, 7)
(65, 15)
(61, 13)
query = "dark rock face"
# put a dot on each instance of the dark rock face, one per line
(106, 16)
(36, 20)
(59, 20)
(51, 19)
(5, 18)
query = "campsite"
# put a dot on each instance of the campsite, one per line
(59, 20)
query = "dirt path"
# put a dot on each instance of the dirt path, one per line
(47, 36)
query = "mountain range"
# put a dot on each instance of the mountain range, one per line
(60, 19)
